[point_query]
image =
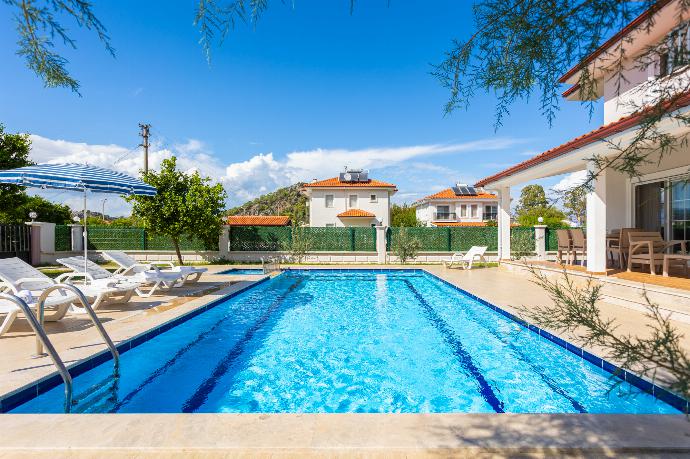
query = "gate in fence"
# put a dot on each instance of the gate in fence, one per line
(15, 241)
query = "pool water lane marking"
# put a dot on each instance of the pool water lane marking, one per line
(204, 390)
(167, 365)
(538, 369)
(485, 389)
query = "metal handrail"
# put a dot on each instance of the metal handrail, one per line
(94, 318)
(41, 335)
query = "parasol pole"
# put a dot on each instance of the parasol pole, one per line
(86, 246)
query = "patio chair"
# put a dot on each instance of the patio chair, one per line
(649, 248)
(465, 260)
(27, 282)
(621, 247)
(578, 243)
(128, 265)
(98, 275)
(564, 245)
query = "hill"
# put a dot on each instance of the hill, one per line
(284, 201)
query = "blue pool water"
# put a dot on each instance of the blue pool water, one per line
(337, 342)
(243, 271)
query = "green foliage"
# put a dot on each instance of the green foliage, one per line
(404, 216)
(660, 354)
(126, 222)
(534, 204)
(299, 244)
(575, 204)
(185, 204)
(406, 246)
(284, 201)
(15, 204)
(38, 23)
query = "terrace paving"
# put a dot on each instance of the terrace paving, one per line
(312, 435)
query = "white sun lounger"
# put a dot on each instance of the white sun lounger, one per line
(27, 282)
(128, 265)
(97, 275)
(465, 260)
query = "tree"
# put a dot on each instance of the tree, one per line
(39, 23)
(300, 243)
(406, 246)
(404, 216)
(534, 204)
(575, 204)
(185, 204)
(15, 204)
(575, 309)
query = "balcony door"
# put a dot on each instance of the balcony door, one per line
(680, 210)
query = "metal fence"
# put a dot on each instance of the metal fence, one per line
(15, 241)
(267, 238)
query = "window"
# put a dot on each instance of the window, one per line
(329, 200)
(330, 225)
(676, 52)
(473, 211)
(463, 210)
(353, 201)
(373, 198)
(490, 212)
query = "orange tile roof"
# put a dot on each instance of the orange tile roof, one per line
(600, 133)
(335, 183)
(356, 213)
(448, 193)
(258, 220)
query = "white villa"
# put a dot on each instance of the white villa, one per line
(459, 205)
(658, 200)
(351, 199)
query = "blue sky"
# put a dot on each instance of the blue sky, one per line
(306, 92)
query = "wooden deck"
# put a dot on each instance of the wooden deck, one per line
(675, 280)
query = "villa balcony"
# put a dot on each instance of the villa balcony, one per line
(445, 216)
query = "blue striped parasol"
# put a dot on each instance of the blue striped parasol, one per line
(77, 177)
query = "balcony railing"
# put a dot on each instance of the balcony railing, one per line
(444, 216)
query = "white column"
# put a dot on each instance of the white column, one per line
(596, 224)
(77, 237)
(504, 223)
(381, 244)
(224, 243)
(540, 241)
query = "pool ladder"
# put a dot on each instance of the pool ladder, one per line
(43, 342)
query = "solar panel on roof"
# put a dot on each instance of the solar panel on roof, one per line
(463, 190)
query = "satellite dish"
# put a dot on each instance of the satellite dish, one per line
(347, 176)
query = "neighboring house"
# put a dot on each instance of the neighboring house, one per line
(657, 200)
(460, 205)
(351, 199)
(258, 220)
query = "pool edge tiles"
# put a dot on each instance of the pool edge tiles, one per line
(17, 397)
(658, 392)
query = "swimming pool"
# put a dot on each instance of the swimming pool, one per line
(350, 341)
(251, 271)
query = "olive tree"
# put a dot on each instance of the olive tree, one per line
(186, 204)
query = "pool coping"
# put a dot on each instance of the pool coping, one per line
(25, 393)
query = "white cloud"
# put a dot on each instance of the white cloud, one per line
(570, 181)
(264, 172)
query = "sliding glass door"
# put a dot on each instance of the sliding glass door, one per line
(650, 208)
(680, 210)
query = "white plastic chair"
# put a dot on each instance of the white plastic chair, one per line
(465, 260)
(129, 265)
(27, 282)
(97, 275)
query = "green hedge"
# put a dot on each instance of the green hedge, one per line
(275, 238)
(114, 238)
(63, 238)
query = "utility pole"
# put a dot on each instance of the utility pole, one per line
(145, 136)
